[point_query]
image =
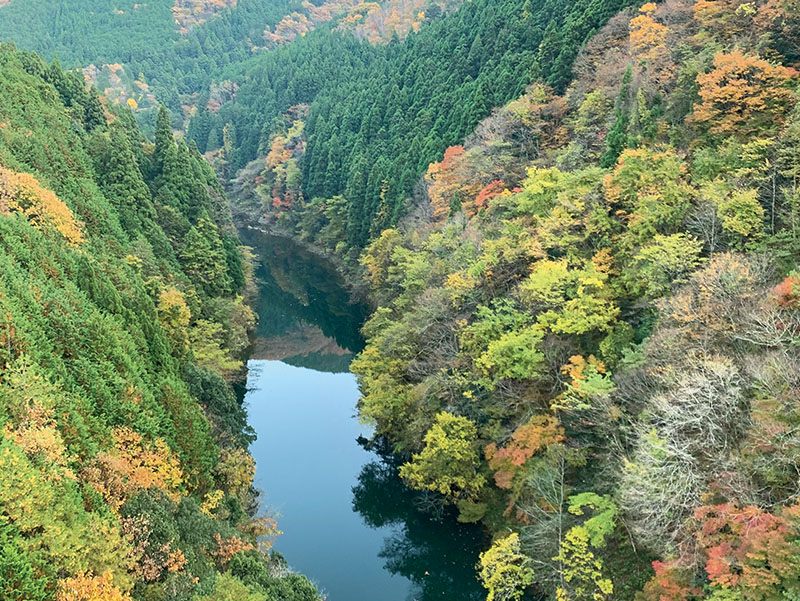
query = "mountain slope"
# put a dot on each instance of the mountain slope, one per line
(123, 458)
(380, 115)
(144, 38)
(584, 335)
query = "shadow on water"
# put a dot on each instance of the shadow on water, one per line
(428, 548)
(373, 539)
(305, 312)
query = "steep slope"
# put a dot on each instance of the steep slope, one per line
(378, 116)
(174, 49)
(377, 22)
(84, 32)
(123, 458)
(588, 307)
(585, 331)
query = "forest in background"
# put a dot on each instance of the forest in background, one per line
(176, 50)
(378, 115)
(382, 108)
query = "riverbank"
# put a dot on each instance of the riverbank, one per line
(246, 210)
(350, 524)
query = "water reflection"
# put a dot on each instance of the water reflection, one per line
(429, 548)
(366, 537)
(306, 316)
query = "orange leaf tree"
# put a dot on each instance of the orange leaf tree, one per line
(743, 96)
(22, 193)
(750, 550)
(527, 440)
(647, 36)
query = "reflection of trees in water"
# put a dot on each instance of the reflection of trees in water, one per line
(330, 363)
(434, 553)
(296, 287)
(427, 547)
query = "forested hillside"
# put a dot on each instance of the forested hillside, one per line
(124, 464)
(158, 44)
(580, 225)
(380, 112)
(178, 48)
(587, 327)
(87, 31)
(377, 22)
(379, 115)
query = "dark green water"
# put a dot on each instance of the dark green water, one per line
(349, 523)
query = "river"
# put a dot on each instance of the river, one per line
(349, 524)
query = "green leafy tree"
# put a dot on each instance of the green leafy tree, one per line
(617, 138)
(22, 577)
(739, 212)
(664, 263)
(449, 462)
(603, 520)
(581, 569)
(204, 258)
(505, 570)
(515, 356)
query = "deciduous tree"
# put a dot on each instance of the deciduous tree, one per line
(743, 96)
(449, 463)
(505, 570)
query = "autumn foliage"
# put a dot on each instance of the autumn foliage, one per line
(647, 36)
(227, 548)
(527, 440)
(671, 582)
(151, 559)
(236, 469)
(282, 173)
(787, 291)
(375, 22)
(749, 549)
(87, 587)
(444, 182)
(134, 464)
(728, 18)
(22, 193)
(110, 431)
(190, 13)
(37, 434)
(743, 95)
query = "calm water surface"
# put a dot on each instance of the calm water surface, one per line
(349, 523)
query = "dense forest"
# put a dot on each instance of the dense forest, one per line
(579, 223)
(586, 327)
(380, 114)
(144, 38)
(124, 464)
(178, 49)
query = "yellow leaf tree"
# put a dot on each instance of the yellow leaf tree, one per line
(22, 193)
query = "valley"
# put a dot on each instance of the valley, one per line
(410, 299)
